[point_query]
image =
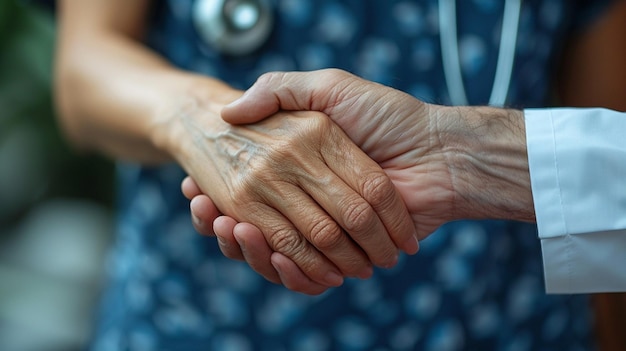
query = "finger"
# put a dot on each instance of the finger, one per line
(256, 250)
(349, 220)
(223, 227)
(203, 213)
(310, 91)
(374, 186)
(357, 185)
(190, 188)
(274, 91)
(339, 202)
(282, 236)
(320, 229)
(293, 278)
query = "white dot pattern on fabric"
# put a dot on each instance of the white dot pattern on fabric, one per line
(445, 336)
(423, 301)
(409, 17)
(472, 52)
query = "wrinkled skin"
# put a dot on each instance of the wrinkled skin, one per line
(439, 158)
(301, 166)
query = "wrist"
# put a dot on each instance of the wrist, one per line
(488, 163)
(191, 108)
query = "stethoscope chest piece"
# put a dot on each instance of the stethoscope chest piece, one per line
(234, 27)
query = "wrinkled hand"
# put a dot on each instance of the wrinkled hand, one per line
(315, 196)
(245, 242)
(425, 149)
(385, 123)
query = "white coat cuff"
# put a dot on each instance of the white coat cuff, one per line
(577, 165)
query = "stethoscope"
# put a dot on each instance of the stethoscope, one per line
(240, 27)
(234, 27)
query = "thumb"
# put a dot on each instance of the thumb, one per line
(254, 105)
(295, 91)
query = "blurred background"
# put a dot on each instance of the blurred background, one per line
(55, 205)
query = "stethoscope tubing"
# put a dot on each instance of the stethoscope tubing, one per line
(506, 53)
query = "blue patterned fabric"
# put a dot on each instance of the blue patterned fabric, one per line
(474, 285)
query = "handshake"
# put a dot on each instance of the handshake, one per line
(331, 175)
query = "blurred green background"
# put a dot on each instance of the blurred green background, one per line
(55, 205)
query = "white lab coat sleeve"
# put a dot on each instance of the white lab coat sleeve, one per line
(577, 161)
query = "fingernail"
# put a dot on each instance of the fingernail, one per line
(334, 279)
(278, 270)
(197, 221)
(240, 241)
(222, 242)
(411, 246)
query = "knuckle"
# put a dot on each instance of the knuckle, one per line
(308, 131)
(287, 241)
(321, 122)
(339, 78)
(334, 74)
(358, 216)
(268, 78)
(378, 189)
(326, 234)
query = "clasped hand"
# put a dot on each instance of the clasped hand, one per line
(317, 198)
(385, 126)
(438, 158)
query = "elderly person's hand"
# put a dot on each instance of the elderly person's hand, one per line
(316, 197)
(447, 162)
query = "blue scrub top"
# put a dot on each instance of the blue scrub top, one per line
(474, 285)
